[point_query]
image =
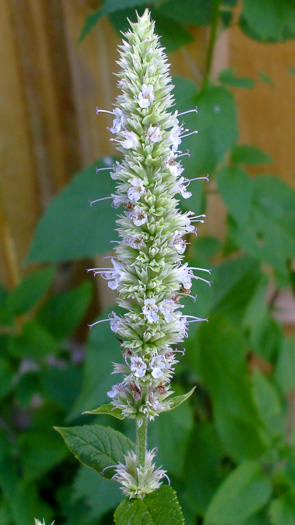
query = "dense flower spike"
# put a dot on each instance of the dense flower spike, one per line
(147, 267)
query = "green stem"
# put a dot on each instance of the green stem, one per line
(141, 440)
(213, 36)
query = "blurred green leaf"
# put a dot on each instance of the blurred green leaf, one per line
(100, 496)
(244, 154)
(235, 188)
(268, 20)
(243, 492)
(228, 77)
(6, 377)
(35, 342)
(62, 385)
(63, 312)
(268, 403)
(265, 79)
(202, 466)
(27, 387)
(30, 291)
(216, 123)
(97, 447)
(68, 229)
(157, 508)
(269, 234)
(282, 510)
(197, 12)
(284, 371)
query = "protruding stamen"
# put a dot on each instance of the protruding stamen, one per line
(198, 320)
(200, 269)
(193, 297)
(106, 468)
(184, 154)
(98, 200)
(97, 322)
(188, 134)
(199, 178)
(201, 279)
(195, 110)
(103, 169)
(103, 111)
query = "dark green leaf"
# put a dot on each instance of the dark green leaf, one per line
(265, 79)
(30, 291)
(173, 33)
(62, 385)
(269, 234)
(34, 343)
(63, 312)
(175, 401)
(235, 188)
(97, 447)
(243, 492)
(197, 12)
(282, 510)
(69, 230)
(107, 409)
(284, 372)
(27, 387)
(244, 154)
(268, 20)
(268, 403)
(216, 123)
(227, 77)
(6, 377)
(157, 508)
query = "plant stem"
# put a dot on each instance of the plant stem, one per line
(141, 440)
(213, 35)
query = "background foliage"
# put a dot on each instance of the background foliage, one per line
(230, 450)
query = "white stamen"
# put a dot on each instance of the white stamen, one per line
(200, 269)
(195, 110)
(188, 134)
(103, 111)
(103, 169)
(97, 322)
(199, 178)
(98, 200)
(201, 279)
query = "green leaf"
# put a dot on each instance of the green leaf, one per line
(265, 79)
(6, 377)
(244, 154)
(110, 6)
(197, 12)
(35, 342)
(27, 387)
(62, 385)
(97, 447)
(243, 492)
(68, 229)
(235, 188)
(107, 409)
(30, 291)
(268, 403)
(216, 123)
(173, 33)
(202, 466)
(227, 77)
(269, 234)
(64, 311)
(268, 20)
(157, 508)
(284, 372)
(282, 510)
(175, 401)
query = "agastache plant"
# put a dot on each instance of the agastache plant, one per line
(147, 267)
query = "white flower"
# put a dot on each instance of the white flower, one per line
(136, 190)
(150, 310)
(157, 366)
(138, 216)
(146, 96)
(134, 242)
(179, 243)
(118, 199)
(118, 121)
(138, 366)
(115, 322)
(174, 167)
(185, 276)
(115, 276)
(154, 134)
(131, 140)
(181, 188)
(166, 308)
(175, 137)
(119, 388)
(153, 402)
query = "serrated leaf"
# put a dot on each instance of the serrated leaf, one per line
(175, 401)
(282, 510)
(107, 409)
(243, 492)
(63, 312)
(97, 447)
(68, 229)
(228, 77)
(244, 154)
(157, 508)
(30, 290)
(235, 188)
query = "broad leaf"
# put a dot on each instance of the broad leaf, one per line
(268, 20)
(268, 403)
(35, 342)
(235, 188)
(157, 508)
(282, 510)
(244, 154)
(243, 492)
(228, 77)
(30, 291)
(69, 228)
(107, 409)
(195, 12)
(97, 447)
